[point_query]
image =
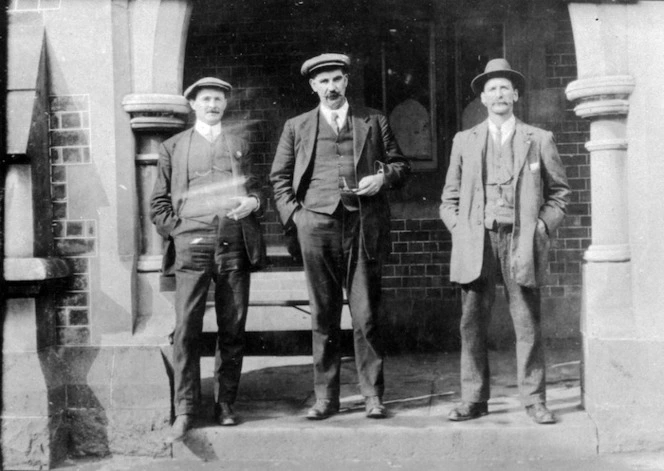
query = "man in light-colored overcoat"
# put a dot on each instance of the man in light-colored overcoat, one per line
(505, 194)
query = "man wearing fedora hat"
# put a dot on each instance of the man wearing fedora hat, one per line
(505, 194)
(330, 174)
(205, 201)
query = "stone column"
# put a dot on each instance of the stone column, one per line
(604, 101)
(154, 117)
(619, 91)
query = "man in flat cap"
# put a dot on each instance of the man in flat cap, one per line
(505, 194)
(205, 201)
(330, 174)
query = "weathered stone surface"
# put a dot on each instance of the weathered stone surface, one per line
(140, 380)
(88, 432)
(25, 443)
(140, 432)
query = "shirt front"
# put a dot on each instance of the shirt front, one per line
(342, 113)
(506, 130)
(211, 133)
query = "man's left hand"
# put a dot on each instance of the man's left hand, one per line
(370, 185)
(246, 206)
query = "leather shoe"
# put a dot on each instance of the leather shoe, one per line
(225, 415)
(322, 409)
(374, 407)
(468, 411)
(540, 414)
(179, 428)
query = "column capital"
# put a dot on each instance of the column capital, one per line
(607, 253)
(601, 96)
(156, 111)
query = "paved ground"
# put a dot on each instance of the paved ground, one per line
(622, 462)
(421, 388)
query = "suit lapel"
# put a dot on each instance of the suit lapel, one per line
(308, 132)
(521, 146)
(361, 128)
(181, 164)
(478, 145)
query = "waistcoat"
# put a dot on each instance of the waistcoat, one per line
(211, 182)
(333, 170)
(498, 187)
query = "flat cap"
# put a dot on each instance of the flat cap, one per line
(206, 82)
(327, 60)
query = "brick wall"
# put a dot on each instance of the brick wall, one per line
(75, 239)
(571, 133)
(259, 48)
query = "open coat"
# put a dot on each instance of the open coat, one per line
(540, 191)
(374, 149)
(172, 185)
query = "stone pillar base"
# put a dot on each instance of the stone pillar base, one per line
(622, 366)
(627, 418)
(34, 426)
(118, 400)
(84, 401)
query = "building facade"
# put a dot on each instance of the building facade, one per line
(94, 87)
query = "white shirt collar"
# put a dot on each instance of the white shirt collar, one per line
(506, 129)
(341, 112)
(204, 130)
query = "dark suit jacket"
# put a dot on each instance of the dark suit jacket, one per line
(374, 149)
(172, 184)
(540, 189)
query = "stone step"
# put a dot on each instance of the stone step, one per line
(505, 434)
(276, 392)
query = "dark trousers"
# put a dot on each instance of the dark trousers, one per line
(524, 303)
(195, 246)
(334, 258)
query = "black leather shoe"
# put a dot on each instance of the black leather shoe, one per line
(540, 414)
(468, 411)
(179, 428)
(224, 414)
(374, 407)
(323, 409)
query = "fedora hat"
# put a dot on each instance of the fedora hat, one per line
(206, 82)
(325, 61)
(498, 68)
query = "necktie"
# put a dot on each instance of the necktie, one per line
(210, 136)
(499, 139)
(335, 122)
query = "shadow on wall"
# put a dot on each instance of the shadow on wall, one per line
(118, 400)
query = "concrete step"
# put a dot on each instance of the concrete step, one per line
(276, 392)
(616, 462)
(506, 434)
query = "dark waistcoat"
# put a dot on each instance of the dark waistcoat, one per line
(333, 170)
